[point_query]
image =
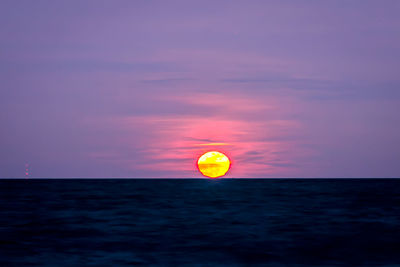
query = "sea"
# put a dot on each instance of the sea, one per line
(200, 222)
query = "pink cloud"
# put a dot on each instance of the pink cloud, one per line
(246, 133)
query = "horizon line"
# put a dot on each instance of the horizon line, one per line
(193, 178)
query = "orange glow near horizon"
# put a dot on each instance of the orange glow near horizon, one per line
(213, 164)
(257, 146)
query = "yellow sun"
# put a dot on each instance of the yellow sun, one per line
(213, 164)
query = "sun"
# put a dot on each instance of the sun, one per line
(213, 164)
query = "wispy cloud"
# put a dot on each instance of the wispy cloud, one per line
(174, 142)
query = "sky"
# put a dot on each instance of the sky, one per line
(99, 89)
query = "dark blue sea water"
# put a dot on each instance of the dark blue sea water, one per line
(200, 222)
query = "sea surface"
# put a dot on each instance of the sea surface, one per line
(200, 222)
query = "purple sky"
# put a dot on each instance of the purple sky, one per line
(142, 88)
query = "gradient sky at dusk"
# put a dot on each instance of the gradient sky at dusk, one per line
(142, 88)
